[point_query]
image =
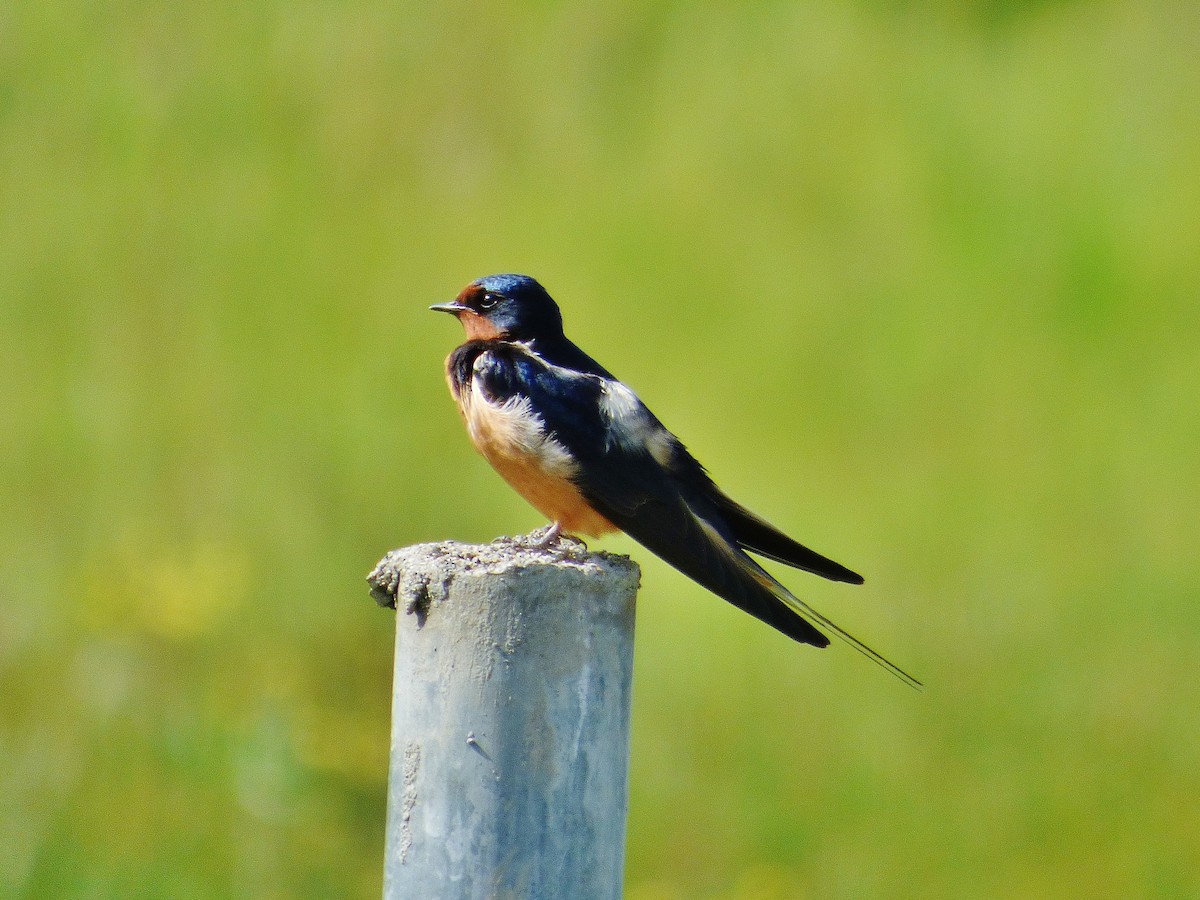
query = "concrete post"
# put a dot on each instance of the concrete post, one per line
(510, 720)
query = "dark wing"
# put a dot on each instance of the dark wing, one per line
(730, 522)
(612, 435)
(679, 524)
(641, 478)
(759, 536)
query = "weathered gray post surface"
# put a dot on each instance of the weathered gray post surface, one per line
(510, 720)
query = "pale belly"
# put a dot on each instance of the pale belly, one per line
(537, 467)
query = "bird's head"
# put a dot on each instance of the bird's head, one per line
(513, 307)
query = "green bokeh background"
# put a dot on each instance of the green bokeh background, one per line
(919, 282)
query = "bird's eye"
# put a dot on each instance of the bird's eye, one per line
(488, 301)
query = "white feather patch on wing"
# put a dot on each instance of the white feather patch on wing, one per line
(631, 425)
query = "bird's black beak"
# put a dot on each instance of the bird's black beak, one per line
(454, 307)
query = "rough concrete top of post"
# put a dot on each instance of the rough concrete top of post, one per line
(413, 578)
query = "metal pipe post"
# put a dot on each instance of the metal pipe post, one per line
(510, 720)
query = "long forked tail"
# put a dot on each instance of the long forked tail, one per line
(805, 610)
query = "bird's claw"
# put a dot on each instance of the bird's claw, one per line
(550, 538)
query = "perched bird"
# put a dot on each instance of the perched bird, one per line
(586, 452)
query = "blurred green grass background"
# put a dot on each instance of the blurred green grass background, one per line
(919, 283)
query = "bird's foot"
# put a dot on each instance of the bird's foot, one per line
(550, 538)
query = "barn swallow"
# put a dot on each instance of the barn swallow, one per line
(586, 453)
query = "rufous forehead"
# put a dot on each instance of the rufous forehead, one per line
(471, 292)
